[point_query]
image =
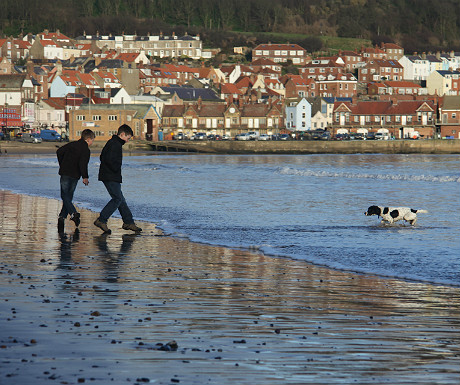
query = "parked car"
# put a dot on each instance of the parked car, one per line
(370, 136)
(285, 137)
(31, 138)
(381, 136)
(199, 136)
(50, 136)
(264, 137)
(253, 135)
(2, 136)
(180, 136)
(341, 137)
(356, 136)
(243, 136)
(226, 137)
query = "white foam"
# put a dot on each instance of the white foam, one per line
(328, 174)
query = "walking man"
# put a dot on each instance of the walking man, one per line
(110, 174)
(73, 161)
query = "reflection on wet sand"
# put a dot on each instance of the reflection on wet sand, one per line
(96, 305)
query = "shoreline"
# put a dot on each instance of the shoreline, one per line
(434, 146)
(84, 307)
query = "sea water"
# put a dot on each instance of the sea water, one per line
(307, 207)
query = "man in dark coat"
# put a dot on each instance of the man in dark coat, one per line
(73, 161)
(110, 174)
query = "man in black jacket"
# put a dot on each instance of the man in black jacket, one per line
(110, 174)
(73, 161)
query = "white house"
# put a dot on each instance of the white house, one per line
(298, 115)
(415, 67)
(49, 113)
(119, 96)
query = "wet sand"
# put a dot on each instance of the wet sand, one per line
(104, 309)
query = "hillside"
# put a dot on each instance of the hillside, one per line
(417, 25)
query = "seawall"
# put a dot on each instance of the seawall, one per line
(310, 147)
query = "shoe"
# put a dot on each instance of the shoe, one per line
(102, 226)
(61, 222)
(76, 218)
(131, 226)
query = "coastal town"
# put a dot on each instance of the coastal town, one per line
(165, 88)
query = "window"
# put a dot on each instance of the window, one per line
(80, 117)
(96, 117)
(113, 117)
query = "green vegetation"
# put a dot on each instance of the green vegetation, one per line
(417, 25)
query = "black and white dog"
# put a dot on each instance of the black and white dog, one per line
(393, 214)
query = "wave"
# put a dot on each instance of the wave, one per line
(331, 174)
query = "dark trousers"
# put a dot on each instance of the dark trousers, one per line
(68, 186)
(117, 202)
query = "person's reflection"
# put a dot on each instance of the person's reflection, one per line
(65, 248)
(112, 260)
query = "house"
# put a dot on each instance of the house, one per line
(443, 83)
(106, 79)
(16, 97)
(398, 119)
(373, 53)
(133, 58)
(395, 88)
(14, 49)
(342, 86)
(378, 69)
(298, 115)
(6, 66)
(71, 82)
(351, 59)
(321, 68)
(158, 46)
(129, 77)
(50, 113)
(297, 86)
(230, 92)
(260, 63)
(185, 94)
(393, 51)
(46, 50)
(104, 120)
(281, 53)
(229, 119)
(418, 68)
(449, 113)
(321, 111)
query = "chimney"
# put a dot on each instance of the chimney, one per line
(423, 55)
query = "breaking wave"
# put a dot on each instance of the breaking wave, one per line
(350, 175)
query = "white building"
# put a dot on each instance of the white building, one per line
(298, 115)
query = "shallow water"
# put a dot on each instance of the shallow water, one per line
(307, 207)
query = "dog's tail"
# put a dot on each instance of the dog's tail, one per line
(421, 211)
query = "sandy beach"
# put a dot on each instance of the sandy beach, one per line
(83, 307)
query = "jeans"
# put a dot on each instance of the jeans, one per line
(68, 186)
(117, 202)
